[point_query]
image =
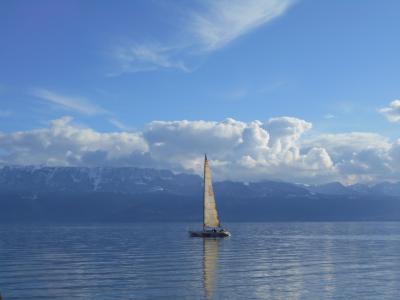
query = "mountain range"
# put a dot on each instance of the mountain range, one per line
(126, 194)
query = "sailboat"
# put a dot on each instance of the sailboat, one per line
(211, 223)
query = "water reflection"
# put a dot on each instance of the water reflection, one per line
(153, 261)
(210, 260)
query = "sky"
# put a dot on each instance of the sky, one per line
(302, 91)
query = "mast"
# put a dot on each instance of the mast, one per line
(204, 191)
(210, 214)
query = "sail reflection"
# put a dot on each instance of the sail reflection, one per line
(210, 260)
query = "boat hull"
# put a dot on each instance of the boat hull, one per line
(209, 234)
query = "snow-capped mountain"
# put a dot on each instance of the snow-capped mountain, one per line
(130, 180)
(68, 194)
(99, 179)
(336, 188)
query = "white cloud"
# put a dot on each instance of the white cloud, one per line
(235, 94)
(358, 156)
(274, 149)
(212, 26)
(349, 142)
(223, 21)
(182, 142)
(136, 58)
(118, 124)
(285, 131)
(77, 104)
(392, 113)
(394, 153)
(66, 144)
(5, 113)
(329, 116)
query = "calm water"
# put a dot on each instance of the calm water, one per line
(160, 261)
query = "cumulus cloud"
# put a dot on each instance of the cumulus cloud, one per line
(66, 144)
(285, 132)
(347, 143)
(256, 150)
(212, 26)
(394, 153)
(358, 156)
(392, 113)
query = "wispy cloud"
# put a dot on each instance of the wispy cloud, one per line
(213, 26)
(5, 113)
(77, 104)
(235, 94)
(137, 58)
(329, 116)
(224, 21)
(118, 124)
(392, 113)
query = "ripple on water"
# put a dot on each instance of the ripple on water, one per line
(148, 261)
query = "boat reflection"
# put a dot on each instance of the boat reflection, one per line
(210, 260)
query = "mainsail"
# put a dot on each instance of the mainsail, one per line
(210, 208)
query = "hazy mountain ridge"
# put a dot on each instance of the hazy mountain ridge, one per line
(133, 194)
(336, 188)
(127, 180)
(131, 180)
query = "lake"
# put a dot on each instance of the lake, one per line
(160, 261)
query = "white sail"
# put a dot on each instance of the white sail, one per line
(210, 208)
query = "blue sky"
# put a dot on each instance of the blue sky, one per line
(117, 68)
